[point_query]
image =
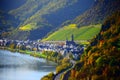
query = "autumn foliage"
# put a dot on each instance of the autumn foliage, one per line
(101, 58)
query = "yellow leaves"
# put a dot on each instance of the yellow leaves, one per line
(61, 67)
(70, 26)
(34, 49)
(89, 53)
(101, 43)
(48, 77)
(28, 27)
(12, 46)
(73, 73)
(65, 64)
(73, 25)
(77, 74)
(66, 60)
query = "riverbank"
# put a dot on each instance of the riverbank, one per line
(63, 63)
(31, 53)
(23, 67)
(49, 55)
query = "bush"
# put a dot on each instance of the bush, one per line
(50, 76)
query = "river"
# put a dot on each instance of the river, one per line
(16, 66)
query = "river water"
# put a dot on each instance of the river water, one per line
(16, 66)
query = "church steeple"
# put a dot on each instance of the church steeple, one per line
(72, 38)
(66, 39)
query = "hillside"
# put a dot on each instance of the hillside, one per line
(7, 23)
(46, 14)
(35, 11)
(101, 59)
(37, 18)
(97, 13)
(83, 33)
(12, 4)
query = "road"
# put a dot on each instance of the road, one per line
(58, 76)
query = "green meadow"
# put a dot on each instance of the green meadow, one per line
(82, 33)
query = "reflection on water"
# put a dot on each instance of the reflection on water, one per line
(15, 66)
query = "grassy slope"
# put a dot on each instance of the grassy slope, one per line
(83, 33)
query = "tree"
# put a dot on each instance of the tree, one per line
(12, 46)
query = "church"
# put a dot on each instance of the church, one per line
(72, 47)
(69, 43)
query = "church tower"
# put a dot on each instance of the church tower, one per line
(66, 39)
(72, 38)
(66, 42)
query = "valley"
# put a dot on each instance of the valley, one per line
(82, 37)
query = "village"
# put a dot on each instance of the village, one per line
(64, 48)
